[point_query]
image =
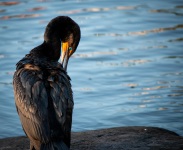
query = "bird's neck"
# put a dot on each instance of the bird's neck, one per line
(48, 50)
(52, 44)
(53, 49)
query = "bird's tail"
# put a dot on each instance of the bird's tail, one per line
(54, 145)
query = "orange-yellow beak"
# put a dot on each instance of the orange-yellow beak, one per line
(65, 55)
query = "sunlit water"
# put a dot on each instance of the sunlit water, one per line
(128, 68)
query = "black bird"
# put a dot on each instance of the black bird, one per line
(42, 89)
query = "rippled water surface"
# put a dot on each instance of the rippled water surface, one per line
(128, 68)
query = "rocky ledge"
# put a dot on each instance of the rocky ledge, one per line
(121, 138)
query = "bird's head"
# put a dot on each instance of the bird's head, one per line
(64, 33)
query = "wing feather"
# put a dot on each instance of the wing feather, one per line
(32, 101)
(64, 106)
(33, 97)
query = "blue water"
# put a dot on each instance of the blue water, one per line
(127, 70)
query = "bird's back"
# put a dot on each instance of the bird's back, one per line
(44, 102)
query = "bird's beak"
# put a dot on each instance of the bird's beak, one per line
(65, 55)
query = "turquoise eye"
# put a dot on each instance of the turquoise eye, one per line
(70, 48)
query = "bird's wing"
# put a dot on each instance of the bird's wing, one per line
(61, 95)
(32, 101)
(31, 98)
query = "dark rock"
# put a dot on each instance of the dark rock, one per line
(122, 138)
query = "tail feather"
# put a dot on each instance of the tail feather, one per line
(54, 145)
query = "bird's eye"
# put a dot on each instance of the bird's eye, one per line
(70, 48)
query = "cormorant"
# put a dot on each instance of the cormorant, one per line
(42, 89)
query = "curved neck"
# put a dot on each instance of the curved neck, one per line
(53, 44)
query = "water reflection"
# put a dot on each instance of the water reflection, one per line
(142, 33)
(21, 16)
(176, 40)
(97, 9)
(181, 6)
(94, 54)
(173, 74)
(142, 106)
(132, 85)
(1, 56)
(37, 9)
(9, 3)
(142, 93)
(125, 7)
(155, 88)
(2, 10)
(167, 11)
(128, 63)
(147, 101)
(162, 108)
(173, 57)
(176, 94)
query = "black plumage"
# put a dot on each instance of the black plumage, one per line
(42, 89)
